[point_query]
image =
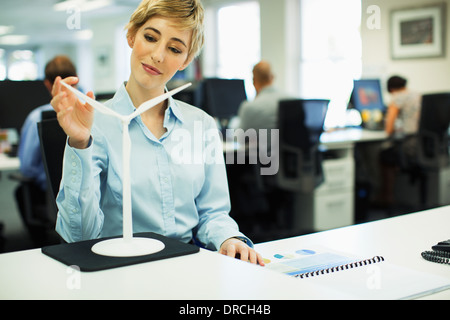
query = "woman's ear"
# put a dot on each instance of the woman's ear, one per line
(130, 39)
(186, 63)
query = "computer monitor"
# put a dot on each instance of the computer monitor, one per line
(310, 113)
(367, 95)
(18, 99)
(191, 95)
(222, 97)
(315, 113)
(368, 100)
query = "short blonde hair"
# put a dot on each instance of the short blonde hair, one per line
(189, 13)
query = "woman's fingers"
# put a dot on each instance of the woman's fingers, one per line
(238, 249)
(90, 94)
(56, 86)
(60, 93)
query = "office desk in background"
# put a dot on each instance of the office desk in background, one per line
(331, 204)
(209, 276)
(347, 136)
(9, 163)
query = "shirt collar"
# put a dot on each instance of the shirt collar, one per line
(174, 109)
(267, 89)
(125, 105)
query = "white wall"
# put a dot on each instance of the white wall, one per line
(426, 75)
(102, 62)
(279, 22)
(279, 36)
(278, 27)
(279, 45)
(109, 63)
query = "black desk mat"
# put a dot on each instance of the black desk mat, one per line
(80, 254)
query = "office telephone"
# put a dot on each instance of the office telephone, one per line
(440, 253)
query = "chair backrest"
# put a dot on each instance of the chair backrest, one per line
(300, 123)
(435, 114)
(53, 140)
(433, 129)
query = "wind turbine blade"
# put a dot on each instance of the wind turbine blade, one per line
(95, 104)
(155, 101)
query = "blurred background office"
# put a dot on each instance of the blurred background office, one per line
(317, 48)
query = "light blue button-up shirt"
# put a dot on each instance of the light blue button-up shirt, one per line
(179, 184)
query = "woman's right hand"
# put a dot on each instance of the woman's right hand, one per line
(73, 116)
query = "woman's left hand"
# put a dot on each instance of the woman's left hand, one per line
(236, 248)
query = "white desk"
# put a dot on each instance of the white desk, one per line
(344, 137)
(7, 163)
(202, 276)
(332, 139)
(399, 240)
(210, 276)
(331, 205)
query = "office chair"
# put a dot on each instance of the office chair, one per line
(34, 204)
(427, 150)
(433, 130)
(300, 123)
(53, 141)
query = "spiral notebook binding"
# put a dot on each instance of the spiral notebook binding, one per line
(437, 256)
(347, 266)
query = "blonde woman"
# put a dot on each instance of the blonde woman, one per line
(185, 200)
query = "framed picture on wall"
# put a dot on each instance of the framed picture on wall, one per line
(418, 32)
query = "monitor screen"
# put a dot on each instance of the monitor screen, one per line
(18, 99)
(315, 113)
(310, 113)
(223, 97)
(367, 95)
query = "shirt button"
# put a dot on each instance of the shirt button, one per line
(74, 164)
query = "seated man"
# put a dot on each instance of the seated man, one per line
(262, 112)
(29, 148)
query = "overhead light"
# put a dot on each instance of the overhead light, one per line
(13, 40)
(6, 29)
(82, 5)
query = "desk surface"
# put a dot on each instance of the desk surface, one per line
(348, 135)
(335, 139)
(208, 275)
(400, 240)
(202, 276)
(8, 163)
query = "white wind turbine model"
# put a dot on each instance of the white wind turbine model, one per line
(128, 245)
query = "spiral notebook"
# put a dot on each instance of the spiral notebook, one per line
(307, 263)
(371, 278)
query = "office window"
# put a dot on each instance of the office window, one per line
(233, 43)
(330, 53)
(22, 65)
